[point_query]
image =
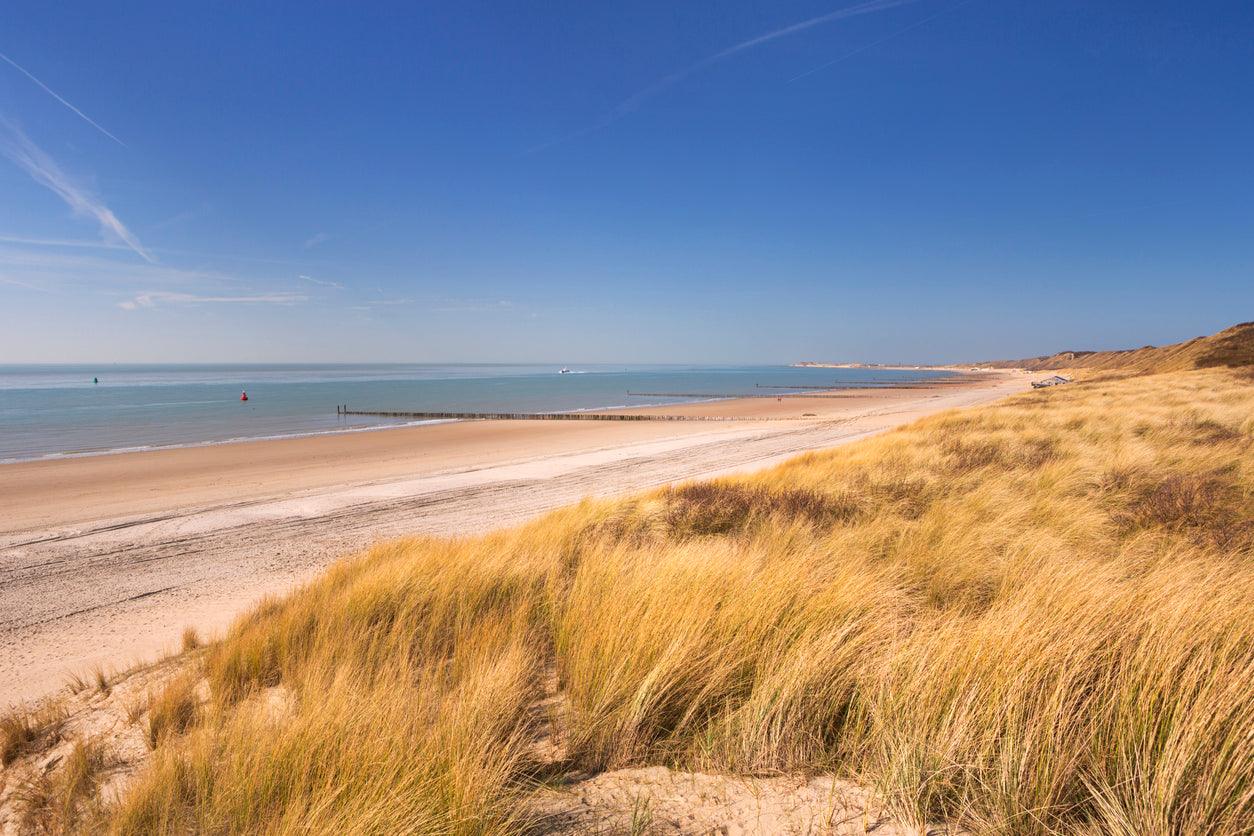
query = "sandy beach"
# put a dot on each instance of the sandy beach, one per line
(104, 559)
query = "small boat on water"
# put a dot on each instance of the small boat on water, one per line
(564, 370)
(243, 396)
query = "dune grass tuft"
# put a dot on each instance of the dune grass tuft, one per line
(174, 710)
(64, 799)
(191, 639)
(23, 731)
(101, 678)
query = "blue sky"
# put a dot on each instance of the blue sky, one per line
(655, 181)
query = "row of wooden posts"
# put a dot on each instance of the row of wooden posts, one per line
(534, 416)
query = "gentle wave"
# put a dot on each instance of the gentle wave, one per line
(144, 448)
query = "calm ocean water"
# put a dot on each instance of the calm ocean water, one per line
(50, 411)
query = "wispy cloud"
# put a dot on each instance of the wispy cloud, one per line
(78, 272)
(181, 218)
(58, 97)
(19, 283)
(156, 298)
(15, 145)
(315, 240)
(439, 305)
(897, 34)
(87, 244)
(471, 305)
(634, 101)
(380, 303)
(321, 282)
(61, 242)
(77, 267)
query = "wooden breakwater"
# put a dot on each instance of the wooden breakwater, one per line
(831, 388)
(536, 416)
(868, 387)
(729, 395)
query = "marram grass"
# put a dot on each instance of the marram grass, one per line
(1034, 617)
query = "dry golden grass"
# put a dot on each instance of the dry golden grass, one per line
(405, 682)
(23, 731)
(1036, 617)
(64, 800)
(173, 711)
(101, 678)
(191, 639)
(1232, 347)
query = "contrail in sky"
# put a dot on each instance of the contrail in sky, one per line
(632, 102)
(15, 145)
(322, 282)
(154, 298)
(851, 53)
(54, 95)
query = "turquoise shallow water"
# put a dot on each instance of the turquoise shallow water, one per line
(51, 411)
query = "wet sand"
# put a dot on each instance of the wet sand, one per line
(104, 559)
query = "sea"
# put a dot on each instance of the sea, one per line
(55, 411)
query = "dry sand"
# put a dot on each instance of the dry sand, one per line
(657, 800)
(103, 560)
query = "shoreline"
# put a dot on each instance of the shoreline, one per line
(104, 559)
(400, 424)
(18, 457)
(188, 445)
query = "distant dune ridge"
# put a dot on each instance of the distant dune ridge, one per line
(1231, 347)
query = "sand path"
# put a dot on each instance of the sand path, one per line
(117, 590)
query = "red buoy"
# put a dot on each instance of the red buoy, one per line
(243, 396)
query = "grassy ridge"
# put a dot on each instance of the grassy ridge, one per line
(1232, 347)
(1032, 617)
